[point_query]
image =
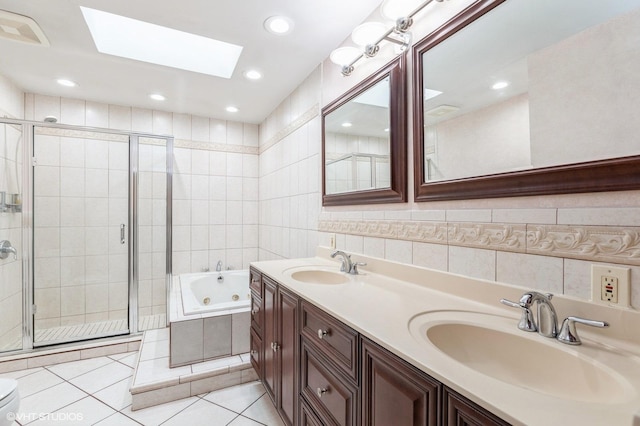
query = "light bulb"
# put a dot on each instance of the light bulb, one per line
(368, 33)
(344, 55)
(395, 9)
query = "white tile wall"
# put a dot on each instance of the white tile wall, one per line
(282, 173)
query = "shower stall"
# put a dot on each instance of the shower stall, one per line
(90, 219)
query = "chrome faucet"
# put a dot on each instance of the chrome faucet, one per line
(6, 248)
(547, 324)
(346, 264)
(547, 319)
(219, 266)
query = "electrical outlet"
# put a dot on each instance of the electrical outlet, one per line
(332, 241)
(609, 289)
(611, 285)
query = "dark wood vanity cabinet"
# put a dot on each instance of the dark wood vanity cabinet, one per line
(280, 348)
(329, 367)
(394, 392)
(319, 371)
(257, 318)
(459, 411)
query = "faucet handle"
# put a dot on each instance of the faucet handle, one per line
(526, 322)
(354, 267)
(568, 333)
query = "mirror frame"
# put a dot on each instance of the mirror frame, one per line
(617, 174)
(396, 71)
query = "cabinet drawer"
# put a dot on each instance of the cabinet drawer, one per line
(256, 353)
(457, 410)
(255, 279)
(334, 339)
(334, 398)
(257, 316)
(307, 416)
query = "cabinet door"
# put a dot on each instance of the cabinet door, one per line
(394, 392)
(287, 355)
(256, 353)
(256, 313)
(269, 338)
(459, 411)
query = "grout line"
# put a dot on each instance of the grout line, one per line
(178, 411)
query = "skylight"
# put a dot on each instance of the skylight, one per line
(129, 38)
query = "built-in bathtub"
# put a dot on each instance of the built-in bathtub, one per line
(215, 292)
(209, 316)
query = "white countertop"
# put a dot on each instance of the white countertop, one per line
(382, 301)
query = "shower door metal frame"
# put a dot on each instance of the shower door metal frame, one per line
(27, 253)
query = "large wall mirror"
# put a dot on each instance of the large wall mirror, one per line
(364, 141)
(521, 97)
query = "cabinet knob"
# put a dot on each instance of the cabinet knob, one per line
(275, 346)
(322, 391)
(254, 311)
(254, 352)
(322, 333)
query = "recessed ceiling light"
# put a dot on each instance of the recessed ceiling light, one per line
(232, 109)
(346, 124)
(500, 85)
(65, 82)
(157, 97)
(279, 25)
(387, 129)
(253, 75)
(142, 41)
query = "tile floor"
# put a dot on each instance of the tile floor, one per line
(96, 392)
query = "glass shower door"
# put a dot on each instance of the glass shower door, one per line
(11, 140)
(80, 235)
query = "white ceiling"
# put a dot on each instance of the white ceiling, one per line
(285, 61)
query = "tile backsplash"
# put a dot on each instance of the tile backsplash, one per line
(547, 243)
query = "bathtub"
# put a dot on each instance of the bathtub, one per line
(206, 293)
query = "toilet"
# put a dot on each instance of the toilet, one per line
(9, 401)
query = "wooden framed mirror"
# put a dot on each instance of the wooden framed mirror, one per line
(364, 139)
(520, 98)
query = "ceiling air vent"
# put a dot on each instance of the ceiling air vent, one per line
(441, 110)
(21, 28)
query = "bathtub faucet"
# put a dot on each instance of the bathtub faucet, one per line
(219, 266)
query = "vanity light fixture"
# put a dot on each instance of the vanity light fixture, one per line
(157, 97)
(370, 34)
(65, 82)
(232, 109)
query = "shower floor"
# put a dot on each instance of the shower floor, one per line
(53, 335)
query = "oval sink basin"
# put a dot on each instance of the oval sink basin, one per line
(320, 277)
(517, 358)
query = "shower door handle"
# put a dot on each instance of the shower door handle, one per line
(122, 233)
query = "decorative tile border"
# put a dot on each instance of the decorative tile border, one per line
(501, 237)
(309, 115)
(612, 244)
(83, 134)
(424, 232)
(146, 140)
(212, 146)
(602, 243)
